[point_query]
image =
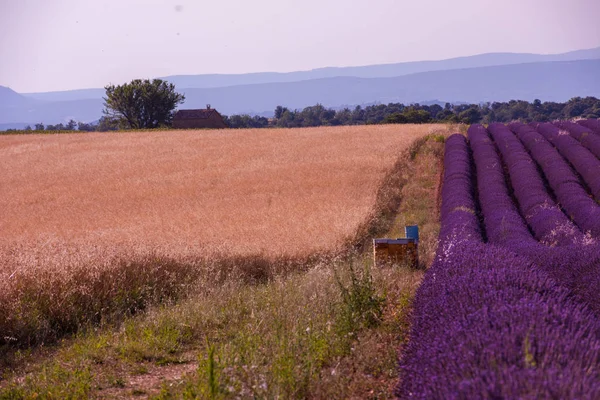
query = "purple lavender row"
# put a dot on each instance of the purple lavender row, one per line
(458, 212)
(565, 184)
(503, 223)
(505, 226)
(584, 162)
(489, 324)
(549, 224)
(593, 124)
(588, 139)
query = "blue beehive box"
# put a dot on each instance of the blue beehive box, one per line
(412, 232)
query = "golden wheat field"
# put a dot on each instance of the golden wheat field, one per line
(251, 191)
(102, 222)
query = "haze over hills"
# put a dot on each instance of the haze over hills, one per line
(22, 110)
(474, 79)
(10, 98)
(550, 81)
(378, 71)
(370, 71)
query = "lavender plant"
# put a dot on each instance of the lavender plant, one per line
(564, 182)
(513, 317)
(585, 135)
(548, 222)
(584, 162)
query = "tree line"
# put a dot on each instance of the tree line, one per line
(397, 113)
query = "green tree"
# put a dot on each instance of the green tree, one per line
(142, 104)
(85, 127)
(106, 124)
(416, 116)
(470, 116)
(395, 118)
(279, 110)
(71, 125)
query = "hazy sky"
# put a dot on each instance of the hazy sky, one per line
(66, 44)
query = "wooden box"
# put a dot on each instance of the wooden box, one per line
(396, 251)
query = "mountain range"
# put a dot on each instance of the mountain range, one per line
(473, 79)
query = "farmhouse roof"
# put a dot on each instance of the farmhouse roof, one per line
(195, 114)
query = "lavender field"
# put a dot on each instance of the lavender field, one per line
(511, 306)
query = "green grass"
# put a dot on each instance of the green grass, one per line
(271, 340)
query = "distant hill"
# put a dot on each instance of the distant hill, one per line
(370, 71)
(549, 81)
(10, 98)
(68, 95)
(378, 71)
(17, 125)
(52, 112)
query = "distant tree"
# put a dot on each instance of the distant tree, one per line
(246, 121)
(395, 118)
(28, 128)
(85, 127)
(57, 127)
(342, 117)
(416, 116)
(142, 104)
(358, 116)
(470, 116)
(238, 121)
(447, 115)
(288, 119)
(434, 110)
(279, 110)
(397, 113)
(71, 125)
(108, 124)
(316, 115)
(39, 127)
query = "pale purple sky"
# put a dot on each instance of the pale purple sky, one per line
(67, 44)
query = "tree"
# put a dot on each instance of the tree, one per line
(395, 118)
(85, 127)
(470, 115)
(39, 127)
(71, 125)
(279, 110)
(142, 104)
(106, 124)
(416, 116)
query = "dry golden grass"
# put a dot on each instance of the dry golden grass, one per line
(97, 224)
(240, 192)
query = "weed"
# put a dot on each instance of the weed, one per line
(362, 307)
(212, 373)
(116, 381)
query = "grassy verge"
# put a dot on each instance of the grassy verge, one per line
(332, 331)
